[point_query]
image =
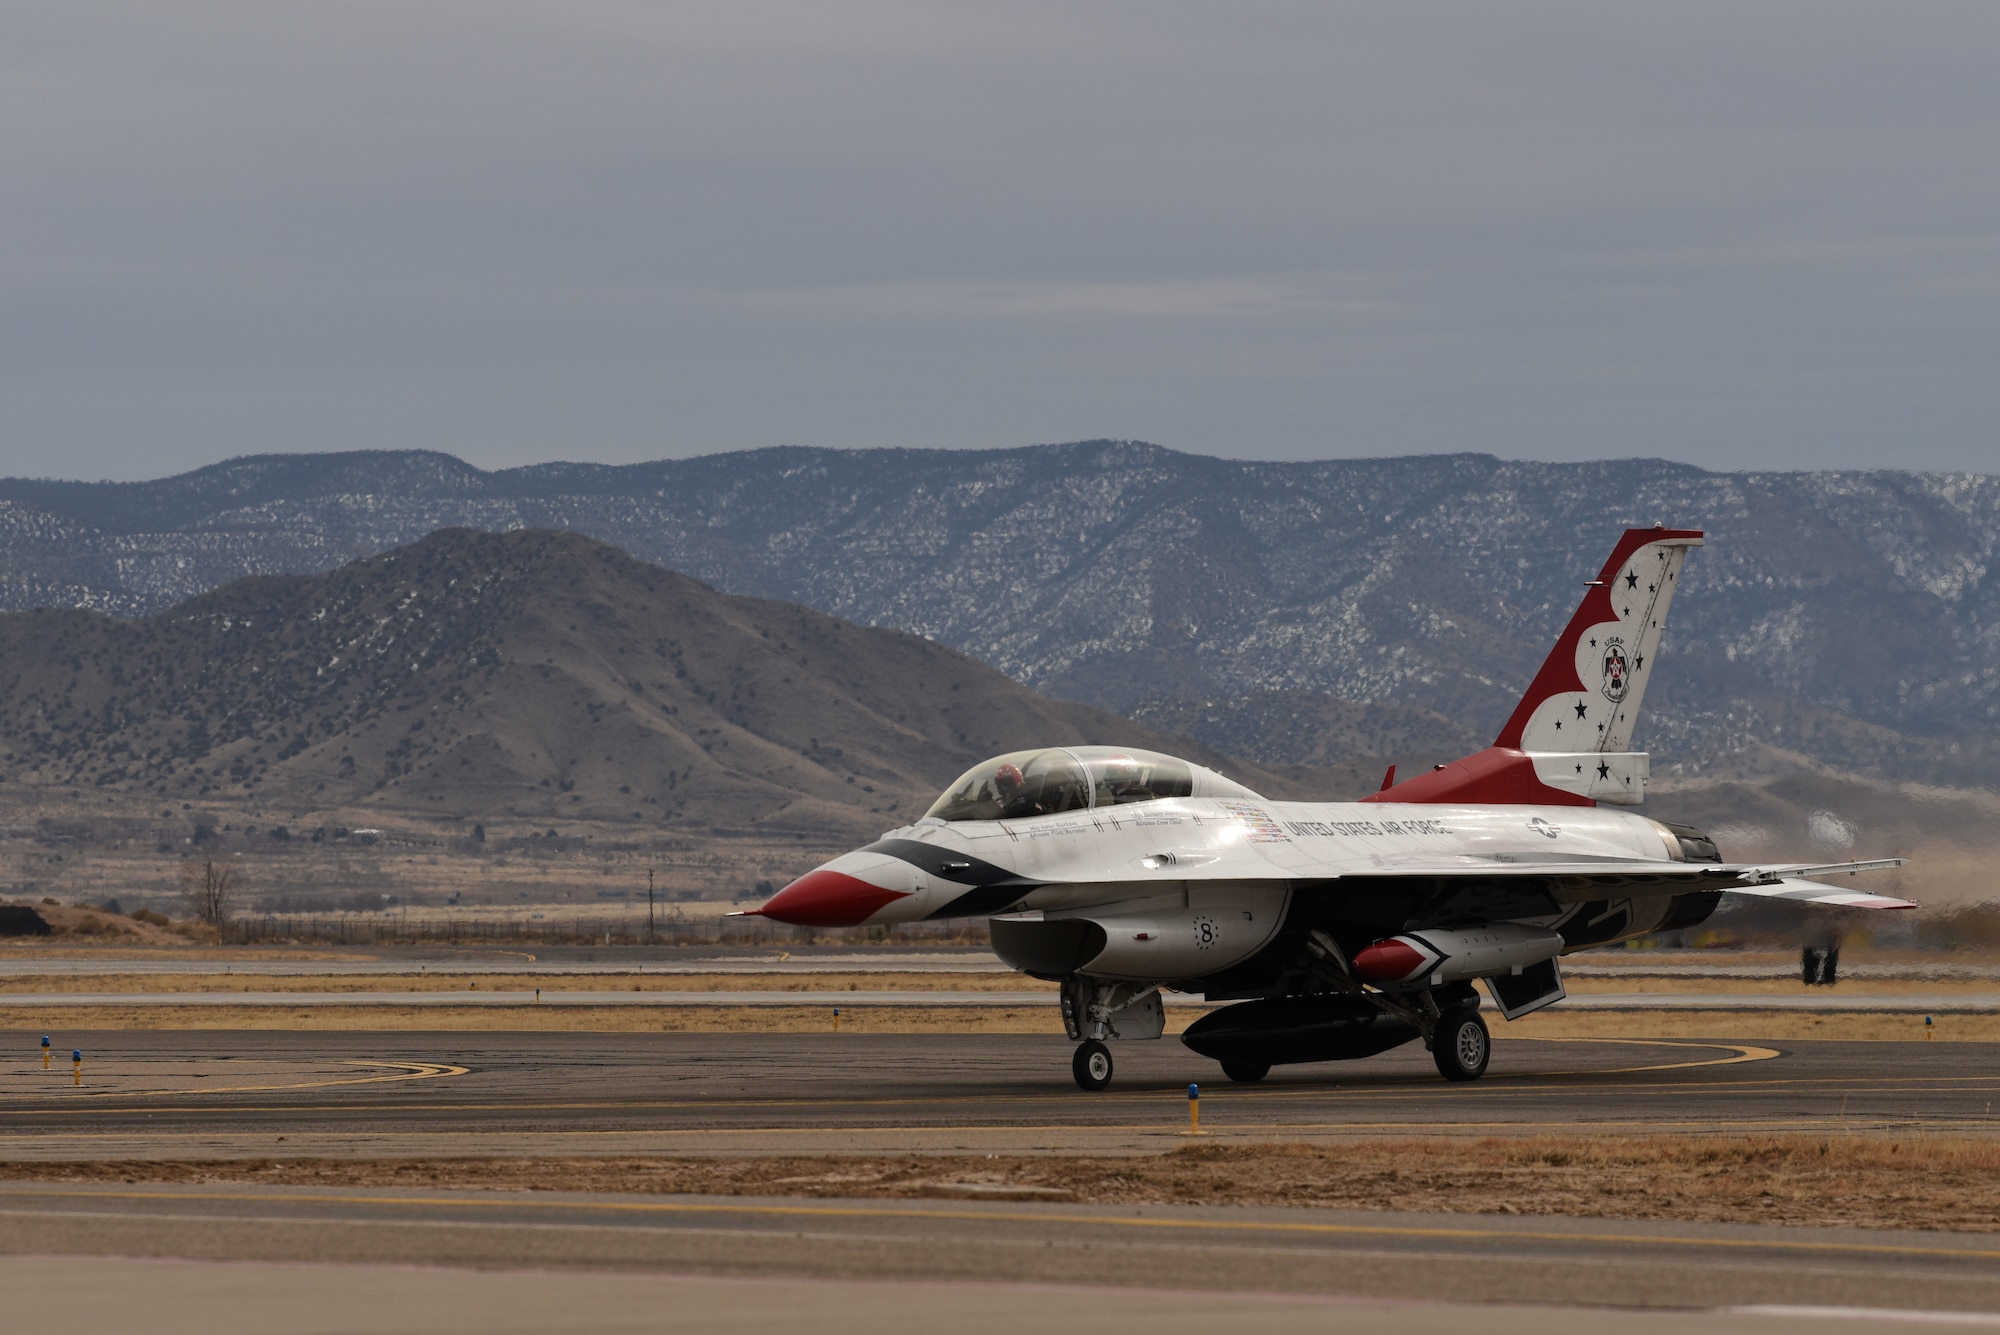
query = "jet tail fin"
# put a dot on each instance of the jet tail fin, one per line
(1566, 742)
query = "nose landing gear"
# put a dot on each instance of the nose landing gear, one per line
(1094, 1009)
(1091, 1066)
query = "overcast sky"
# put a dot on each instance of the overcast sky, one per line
(1736, 234)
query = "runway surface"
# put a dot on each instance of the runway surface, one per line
(296, 1095)
(181, 1093)
(88, 1295)
(1850, 1001)
(1358, 1254)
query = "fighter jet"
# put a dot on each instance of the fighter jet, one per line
(1338, 929)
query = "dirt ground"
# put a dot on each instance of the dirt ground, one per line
(246, 979)
(559, 1019)
(1579, 983)
(1905, 1182)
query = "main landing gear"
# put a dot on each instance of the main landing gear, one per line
(1461, 1047)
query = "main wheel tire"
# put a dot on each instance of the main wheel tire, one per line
(1091, 1066)
(1246, 1073)
(1462, 1047)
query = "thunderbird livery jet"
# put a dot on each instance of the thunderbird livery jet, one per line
(1342, 929)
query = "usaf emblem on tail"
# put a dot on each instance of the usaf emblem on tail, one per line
(1614, 670)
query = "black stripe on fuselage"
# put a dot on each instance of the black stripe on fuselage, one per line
(989, 888)
(981, 900)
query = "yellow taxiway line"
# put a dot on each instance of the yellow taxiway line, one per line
(429, 1070)
(1744, 1052)
(401, 1071)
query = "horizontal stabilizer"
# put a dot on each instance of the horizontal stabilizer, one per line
(1782, 870)
(1789, 881)
(1812, 892)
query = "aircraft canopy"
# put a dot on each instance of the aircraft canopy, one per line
(1074, 778)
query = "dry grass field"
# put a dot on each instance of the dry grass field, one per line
(559, 1019)
(1872, 1181)
(247, 979)
(96, 850)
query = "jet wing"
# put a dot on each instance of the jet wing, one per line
(1769, 881)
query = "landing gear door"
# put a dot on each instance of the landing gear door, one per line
(1144, 1017)
(1094, 1008)
(1526, 990)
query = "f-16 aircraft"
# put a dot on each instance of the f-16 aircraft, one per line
(1340, 929)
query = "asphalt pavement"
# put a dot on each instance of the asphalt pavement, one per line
(275, 1258)
(171, 1093)
(1850, 1001)
(1187, 1250)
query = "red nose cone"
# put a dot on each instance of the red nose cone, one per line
(828, 899)
(1389, 961)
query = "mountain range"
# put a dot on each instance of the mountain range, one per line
(1296, 613)
(522, 679)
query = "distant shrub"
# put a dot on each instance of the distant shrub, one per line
(150, 916)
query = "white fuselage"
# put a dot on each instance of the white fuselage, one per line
(1136, 853)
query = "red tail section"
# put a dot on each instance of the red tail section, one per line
(1566, 742)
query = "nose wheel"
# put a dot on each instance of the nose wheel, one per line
(1091, 1066)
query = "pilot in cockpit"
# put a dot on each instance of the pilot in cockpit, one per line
(1119, 783)
(1011, 786)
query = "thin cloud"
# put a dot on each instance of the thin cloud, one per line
(1735, 235)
